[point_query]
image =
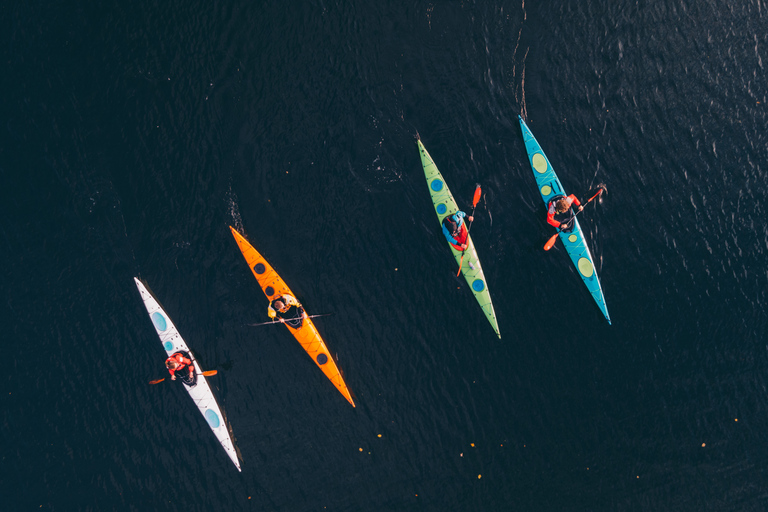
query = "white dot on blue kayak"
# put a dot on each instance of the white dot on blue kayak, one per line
(212, 418)
(437, 185)
(441, 209)
(159, 321)
(478, 285)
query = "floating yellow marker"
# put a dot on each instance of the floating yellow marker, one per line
(472, 445)
(479, 477)
(379, 435)
(361, 449)
(735, 419)
(703, 445)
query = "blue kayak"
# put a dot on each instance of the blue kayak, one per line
(549, 186)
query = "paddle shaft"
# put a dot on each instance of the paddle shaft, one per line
(278, 322)
(553, 238)
(475, 200)
(209, 373)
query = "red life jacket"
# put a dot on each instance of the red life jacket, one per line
(461, 237)
(182, 362)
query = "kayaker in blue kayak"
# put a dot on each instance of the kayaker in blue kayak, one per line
(288, 310)
(560, 214)
(455, 230)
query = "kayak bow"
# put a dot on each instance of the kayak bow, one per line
(445, 205)
(549, 186)
(200, 392)
(273, 286)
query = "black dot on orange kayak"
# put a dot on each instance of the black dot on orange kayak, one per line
(269, 291)
(259, 268)
(322, 358)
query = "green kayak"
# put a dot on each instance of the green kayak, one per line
(445, 205)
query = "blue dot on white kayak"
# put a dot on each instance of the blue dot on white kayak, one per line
(322, 358)
(168, 346)
(212, 418)
(441, 209)
(437, 185)
(478, 285)
(159, 320)
(259, 268)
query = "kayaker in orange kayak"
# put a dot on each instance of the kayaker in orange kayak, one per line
(177, 363)
(559, 212)
(455, 230)
(288, 310)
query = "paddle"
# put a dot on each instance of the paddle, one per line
(475, 200)
(209, 373)
(551, 242)
(278, 322)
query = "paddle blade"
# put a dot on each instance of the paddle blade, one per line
(210, 373)
(551, 242)
(476, 198)
(158, 381)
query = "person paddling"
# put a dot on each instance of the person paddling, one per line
(178, 363)
(288, 310)
(560, 214)
(455, 230)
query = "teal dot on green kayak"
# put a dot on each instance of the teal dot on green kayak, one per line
(572, 238)
(168, 346)
(212, 418)
(539, 163)
(441, 209)
(159, 320)
(478, 285)
(586, 268)
(437, 185)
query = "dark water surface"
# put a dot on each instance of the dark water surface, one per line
(136, 132)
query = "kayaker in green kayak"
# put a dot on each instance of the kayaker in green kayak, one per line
(455, 230)
(560, 214)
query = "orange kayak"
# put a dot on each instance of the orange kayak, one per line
(307, 335)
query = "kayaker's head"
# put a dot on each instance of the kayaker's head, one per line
(171, 363)
(450, 224)
(278, 305)
(562, 205)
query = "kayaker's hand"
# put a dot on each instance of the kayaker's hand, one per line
(463, 247)
(470, 218)
(173, 377)
(282, 321)
(581, 207)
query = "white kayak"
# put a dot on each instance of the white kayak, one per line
(200, 391)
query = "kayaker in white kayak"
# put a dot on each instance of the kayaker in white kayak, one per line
(177, 363)
(287, 309)
(455, 231)
(559, 212)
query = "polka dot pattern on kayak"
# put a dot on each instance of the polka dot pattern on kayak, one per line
(212, 418)
(269, 291)
(259, 268)
(546, 190)
(322, 359)
(572, 238)
(436, 185)
(478, 285)
(168, 346)
(586, 268)
(539, 163)
(441, 209)
(159, 320)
